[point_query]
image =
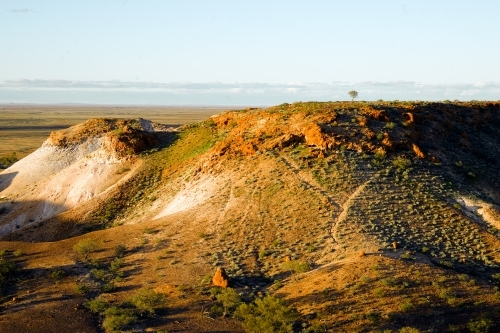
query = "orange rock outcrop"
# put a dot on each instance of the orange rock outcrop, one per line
(220, 278)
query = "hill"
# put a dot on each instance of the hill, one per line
(363, 216)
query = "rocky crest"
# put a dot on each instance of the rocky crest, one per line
(122, 137)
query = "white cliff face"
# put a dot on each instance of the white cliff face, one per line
(54, 179)
(47, 161)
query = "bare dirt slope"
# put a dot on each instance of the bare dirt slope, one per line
(364, 216)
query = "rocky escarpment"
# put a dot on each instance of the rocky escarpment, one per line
(458, 136)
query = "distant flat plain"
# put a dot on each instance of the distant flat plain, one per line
(23, 128)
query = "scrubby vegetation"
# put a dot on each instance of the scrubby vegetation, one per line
(145, 302)
(85, 247)
(267, 315)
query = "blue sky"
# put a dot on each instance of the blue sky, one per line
(247, 52)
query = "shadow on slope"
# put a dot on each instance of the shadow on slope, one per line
(16, 215)
(6, 179)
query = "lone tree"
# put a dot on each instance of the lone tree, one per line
(85, 247)
(353, 94)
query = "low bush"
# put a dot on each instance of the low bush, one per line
(267, 315)
(116, 318)
(406, 306)
(147, 301)
(296, 266)
(85, 247)
(408, 329)
(388, 282)
(97, 305)
(120, 250)
(482, 325)
(82, 288)
(379, 292)
(401, 163)
(57, 274)
(229, 298)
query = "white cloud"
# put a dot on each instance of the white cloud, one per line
(240, 93)
(22, 11)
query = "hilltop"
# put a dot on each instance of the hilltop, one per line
(363, 216)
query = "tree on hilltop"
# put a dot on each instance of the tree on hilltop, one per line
(353, 94)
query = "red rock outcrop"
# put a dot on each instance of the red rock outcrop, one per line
(220, 278)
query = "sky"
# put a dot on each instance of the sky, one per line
(216, 52)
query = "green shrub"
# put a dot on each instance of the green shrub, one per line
(406, 256)
(210, 123)
(120, 250)
(374, 317)
(214, 291)
(99, 274)
(85, 247)
(296, 266)
(408, 329)
(406, 305)
(379, 156)
(388, 282)
(17, 253)
(390, 125)
(116, 264)
(267, 315)
(482, 325)
(108, 287)
(379, 292)
(82, 288)
(147, 301)
(401, 163)
(207, 279)
(446, 263)
(229, 298)
(97, 305)
(57, 274)
(116, 318)
(149, 231)
(445, 293)
(216, 310)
